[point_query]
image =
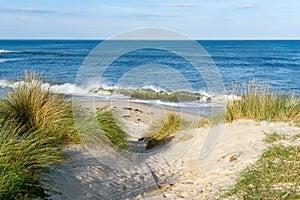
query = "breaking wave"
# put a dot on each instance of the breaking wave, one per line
(145, 93)
(177, 100)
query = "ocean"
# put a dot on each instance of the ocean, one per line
(272, 62)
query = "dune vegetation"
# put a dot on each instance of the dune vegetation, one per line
(32, 106)
(111, 130)
(274, 176)
(166, 132)
(157, 136)
(34, 123)
(259, 102)
(23, 155)
(276, 173)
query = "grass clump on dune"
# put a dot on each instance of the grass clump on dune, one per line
(34, 107)
(111, 130)
(118, 137)
(274, 137)
(203, 123)
(274, 176)
(259, 102)
(24, 154)
(170, 126)
(34, 122)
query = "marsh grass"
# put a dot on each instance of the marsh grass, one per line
(171, 125)
(111, 130)
(259, 102)
(274, 176)
(34, 107)
(23, 154)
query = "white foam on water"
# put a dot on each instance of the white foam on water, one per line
(9, 51)
(155, 88)
(4, 83)
(2, 60)
(66, 88)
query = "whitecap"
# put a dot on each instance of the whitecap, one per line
(2, 60)
(8, 51)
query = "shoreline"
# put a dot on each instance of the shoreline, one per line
(197, 109)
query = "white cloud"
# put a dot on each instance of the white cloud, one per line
(245, 6)
(181, 5)
(33, 10)
(26, 9)
(133, 12)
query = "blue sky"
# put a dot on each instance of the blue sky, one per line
(198, 19)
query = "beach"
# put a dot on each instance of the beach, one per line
(156, 100)
(189, 176)
(150, 123)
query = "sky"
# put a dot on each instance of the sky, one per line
(102, 19)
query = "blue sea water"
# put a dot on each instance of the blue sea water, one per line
(274, 62)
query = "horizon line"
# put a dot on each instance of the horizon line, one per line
(102, 39)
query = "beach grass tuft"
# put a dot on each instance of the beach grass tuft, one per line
(111, 130)
(203, 123)
(171, 125)
(259, 102)
(275, 136)
(295, 137)
(32, 106)
(34, 123)
(274, 176)
(23, 154)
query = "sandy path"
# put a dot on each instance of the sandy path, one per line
(82, 176)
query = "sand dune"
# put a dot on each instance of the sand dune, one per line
(187, 175)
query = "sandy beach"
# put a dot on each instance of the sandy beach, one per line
(188, 175)
(160, 100)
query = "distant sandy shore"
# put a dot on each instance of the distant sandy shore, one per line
(189, 176)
